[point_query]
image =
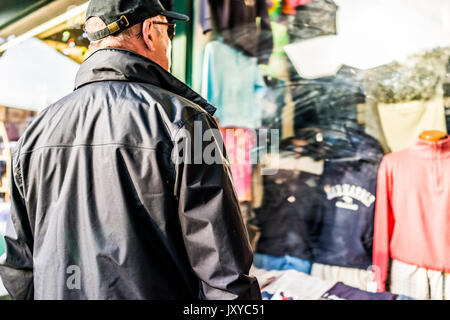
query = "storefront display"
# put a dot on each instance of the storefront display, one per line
(326, 207)
(351, 200)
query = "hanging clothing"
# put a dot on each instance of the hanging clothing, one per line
(412, 212)
(285, 214)
(239, 144)
(409, 95)
(277, 66)
(236, 22)
(275, 9)
(345, 218)
(410, 98)
(236, 99)
(252, 230)
(419, 283)
(290, 5)
(402, 123)
(205, 16)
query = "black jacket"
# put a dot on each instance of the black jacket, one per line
(100, 210)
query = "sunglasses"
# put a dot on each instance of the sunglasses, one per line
(170, 28)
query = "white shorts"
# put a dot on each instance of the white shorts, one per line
(357, 278)
(418, 283)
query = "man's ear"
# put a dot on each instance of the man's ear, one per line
(147, 28)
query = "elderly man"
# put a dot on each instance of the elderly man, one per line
(102, 206)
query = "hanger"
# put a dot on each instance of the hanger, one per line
(433, 135)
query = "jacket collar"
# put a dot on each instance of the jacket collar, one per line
(430, 149)
(441, 143)
(123, 65)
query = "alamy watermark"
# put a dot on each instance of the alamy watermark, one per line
(243, 146)
(73, 281)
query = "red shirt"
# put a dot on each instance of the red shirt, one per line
(412, 212)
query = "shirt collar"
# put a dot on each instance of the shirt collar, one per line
(431, 149)
(441, 143)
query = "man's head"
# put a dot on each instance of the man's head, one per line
(140, 26)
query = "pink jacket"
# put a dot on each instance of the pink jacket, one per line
(412, 212)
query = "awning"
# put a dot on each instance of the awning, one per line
(52, 15)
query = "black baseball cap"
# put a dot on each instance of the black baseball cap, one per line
(119, 15)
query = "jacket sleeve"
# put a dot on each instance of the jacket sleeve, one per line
(16, 265)
(213, 230)
(384, 224)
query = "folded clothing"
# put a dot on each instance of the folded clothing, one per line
(290, 285)
(343, 292)
(295, 285)
(286, 262)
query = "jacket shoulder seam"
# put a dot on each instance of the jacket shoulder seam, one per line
(183, 123)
